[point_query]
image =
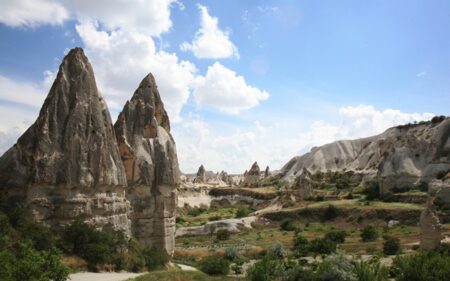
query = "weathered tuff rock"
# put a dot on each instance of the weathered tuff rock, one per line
(430, 228)
(304, 184)
(67, 165)
(201, 175)
(253, 176)
(267, 172)
(149, 156)
(399, 158)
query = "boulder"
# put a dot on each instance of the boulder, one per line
(430, 228)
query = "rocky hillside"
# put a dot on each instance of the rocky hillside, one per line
(73, 164)
(398, 158)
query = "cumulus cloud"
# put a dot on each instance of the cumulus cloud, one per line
(223, 89)
(210, 41)
(121, 58)
(202, 142)
(32, 13)
(31, 94)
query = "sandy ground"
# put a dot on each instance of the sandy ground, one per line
(106, 276)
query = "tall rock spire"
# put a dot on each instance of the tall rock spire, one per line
(72, 142)
(149, 156)
(67, 165)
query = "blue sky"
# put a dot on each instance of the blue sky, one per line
(243, 81)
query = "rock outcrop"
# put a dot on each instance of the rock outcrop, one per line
(304, 184)
(430, 228)
(149, 156)
(400, 158)
(67, 165)
(267, 172)
(253, 176)
(201, 175)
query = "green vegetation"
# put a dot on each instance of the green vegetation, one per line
(242, 212)
(391, 245)
(215, 265)
(223, 235)
(337, 237)
(178, 275)
(287, 225)
(369, 233)
(28, 251)
(422, 267)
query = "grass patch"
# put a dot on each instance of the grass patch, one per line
(179, 275)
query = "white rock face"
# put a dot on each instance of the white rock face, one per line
(232, 225)
(430, 229)
(400, 157)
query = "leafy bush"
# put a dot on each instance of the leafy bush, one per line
(372, 190)
(154, 258)
(369, 233)
(223, 234)
(336, 267)
(322, 246)
(242, 212)
(29, 264)
(287, 225)
(271, 267)
(342, 183)
(231, 254)
(336, 236)
(215, 218)
(301, 246)
(179, 220)
(215, 265)
(371, 271)
(421, 267)
(278, 250)
(391, 245)
(194, 212)
(331, 212)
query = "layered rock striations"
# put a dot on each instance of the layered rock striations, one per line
(253, 176)
(399, 158)
(149, 156)
(73, 164)
(67, 165)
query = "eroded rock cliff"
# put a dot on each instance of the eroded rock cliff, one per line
(67, 165)
(399, 158)
(149, 156)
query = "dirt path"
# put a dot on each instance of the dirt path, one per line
(106, 276)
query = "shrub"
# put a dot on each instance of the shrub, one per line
(421, 267)
(301, 246)
(336, 236)
(336, 267)
(223, 234)
(331, 212)
(154, 258)
(372, 190)
(194, 212)
(271, 268)
(287, 225)
(215, 265)
(242, 212)
(215, 218)
(370, 271)
(322, 246)
(179, 220)
(278, 251)
(231, 254)
(342, 183)
(391, 245)
(369, 233)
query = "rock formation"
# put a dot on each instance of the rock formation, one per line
(67, 165)
(267, 172)
(304, 184)
(253, 176)
(201, 175)
(400, 158)
(73, 164)
(430, 228)
(149, 156)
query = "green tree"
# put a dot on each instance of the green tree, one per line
(369, 233)
(215, 265)
(391, 245)
(301, 246)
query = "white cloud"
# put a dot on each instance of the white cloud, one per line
(210, 41)
(145, 16)
(30, 94)
(234, 150)
(422, 73)
(223, 89)
(123, 57)
(32, 13)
